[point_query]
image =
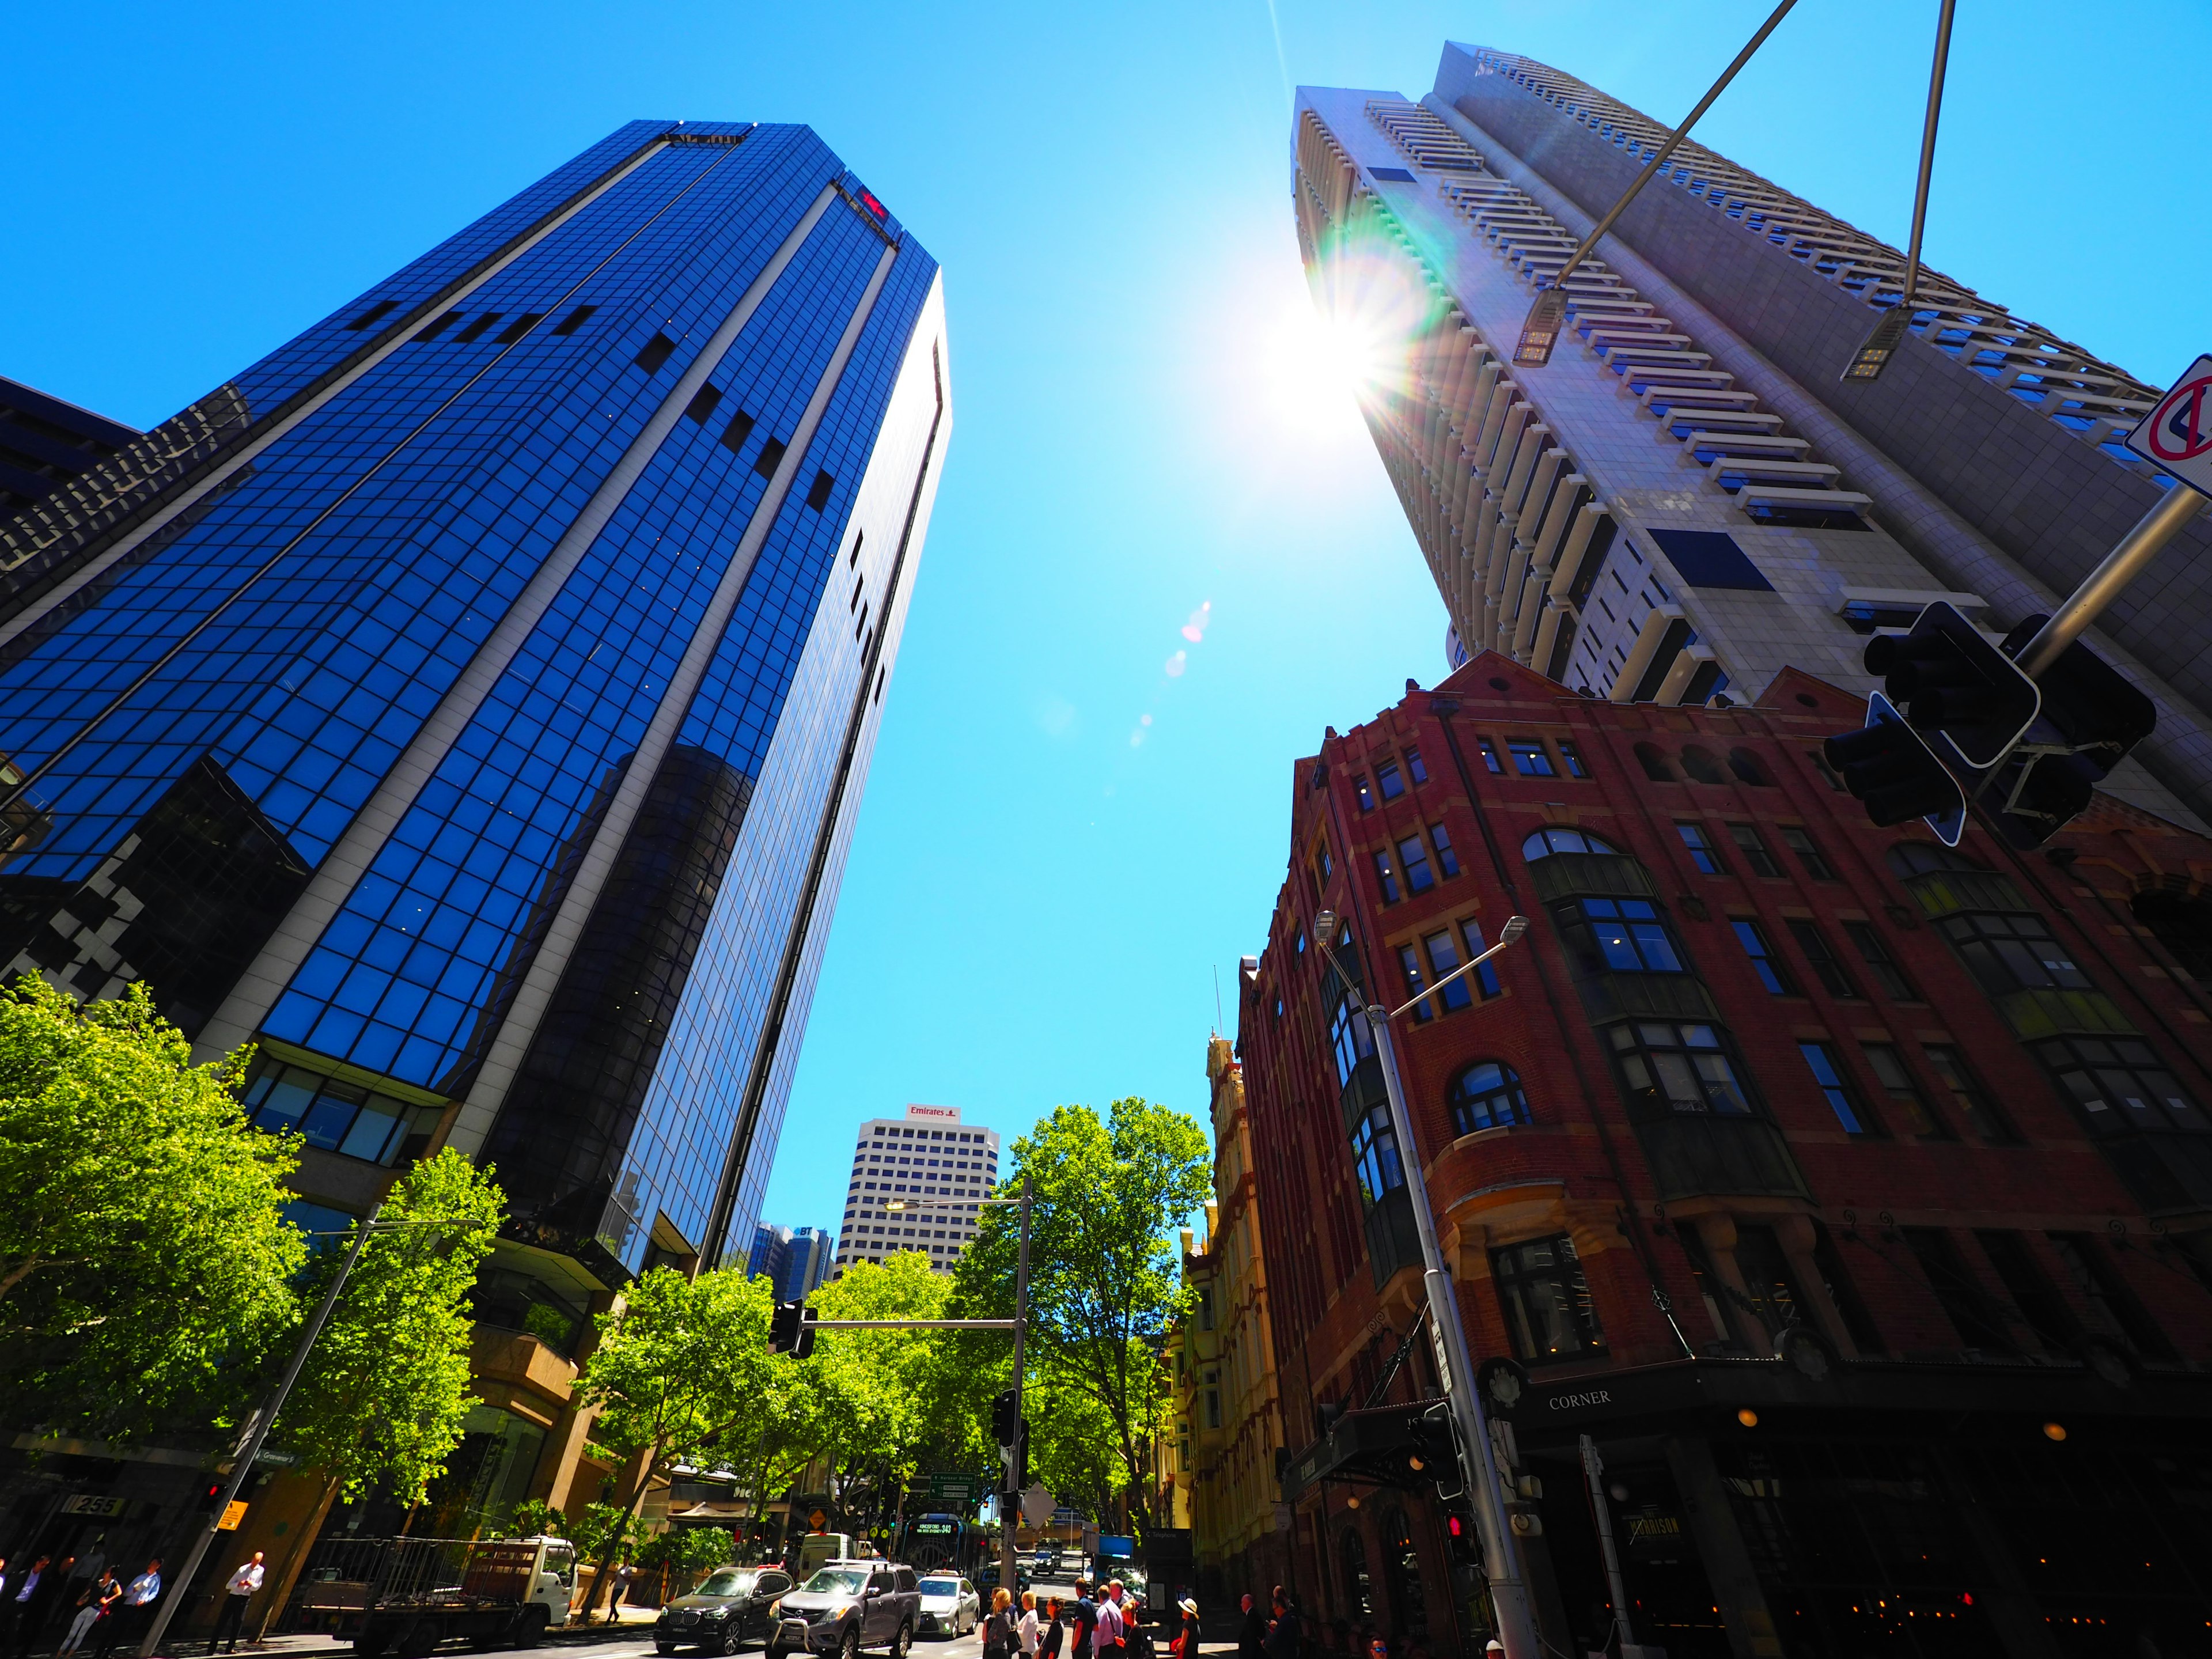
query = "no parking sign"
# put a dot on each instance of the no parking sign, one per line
(2176, 437)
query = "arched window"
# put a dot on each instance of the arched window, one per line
(1918, 858)
(1544, 842)
(1702, 765)
(2183, 925)
(1746, 766)
(1486, 1095)
(1654, 762)
(1358, 1589)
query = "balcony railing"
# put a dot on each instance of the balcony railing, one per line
(1599, 875)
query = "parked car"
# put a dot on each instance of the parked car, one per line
(950, 1606)
(847, 1606)
(731, 1606)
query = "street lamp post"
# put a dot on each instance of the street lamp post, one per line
(1509, 1588)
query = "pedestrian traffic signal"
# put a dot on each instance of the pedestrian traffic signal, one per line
(790, 1329)
(1004, 1416)
(1460, 1540)
(1016, 1459)
(211, 1495)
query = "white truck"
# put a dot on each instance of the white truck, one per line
(404, 1597)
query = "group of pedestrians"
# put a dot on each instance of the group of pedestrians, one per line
(1106, 1626)
(104, 1613)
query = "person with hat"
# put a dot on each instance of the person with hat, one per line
(1187, 1643)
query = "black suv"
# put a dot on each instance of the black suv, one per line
(730, 1607)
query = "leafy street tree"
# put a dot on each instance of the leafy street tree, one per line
(386, 1389)
(682, 1372)
(143, 1249)
(1105, 1284)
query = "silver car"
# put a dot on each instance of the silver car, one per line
(950, 1606)
(847, 1606)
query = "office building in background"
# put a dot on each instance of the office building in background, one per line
(795, 1260)
(934, 1168)
(45, 444)
(469, 705)
(1686, 499)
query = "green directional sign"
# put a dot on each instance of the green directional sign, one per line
(962, 1489)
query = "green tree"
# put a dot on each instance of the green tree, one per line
(143, 1251)
(386, 1389)
(682, 1371)
(1105, 1281)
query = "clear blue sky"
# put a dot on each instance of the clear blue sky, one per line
(1036, 904)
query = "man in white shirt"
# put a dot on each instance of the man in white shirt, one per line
(238, 1591)
(1107, 1643)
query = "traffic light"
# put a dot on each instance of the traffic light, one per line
(1003, 1420)
(211, 1495)
(1460, 1538)
(790, 1329)
(1952, 710)
(1434, 1453)
(2091, 717)
(1887, 765)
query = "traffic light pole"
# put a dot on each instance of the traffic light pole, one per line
(2122, 566)
(250, 1448)
(1010, 1499)
(1501, 1559)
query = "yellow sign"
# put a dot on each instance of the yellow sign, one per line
(232, 1516)
(817, 1520)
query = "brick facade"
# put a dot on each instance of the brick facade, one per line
(1976, 1262)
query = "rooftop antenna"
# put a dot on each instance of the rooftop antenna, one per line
(1217, 1021)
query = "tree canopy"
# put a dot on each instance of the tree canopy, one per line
(386, 1389)
(144, 1249)
(1105, 1279)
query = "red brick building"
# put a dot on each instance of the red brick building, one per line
(1852, 1194)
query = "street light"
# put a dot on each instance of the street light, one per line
(1509, 1589)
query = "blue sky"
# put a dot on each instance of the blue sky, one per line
(1062, 840)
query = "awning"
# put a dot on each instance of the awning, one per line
(1372, 1447)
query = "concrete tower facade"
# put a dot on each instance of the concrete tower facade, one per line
(1685, 500)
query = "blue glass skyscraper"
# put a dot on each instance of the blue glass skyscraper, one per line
(470, 702)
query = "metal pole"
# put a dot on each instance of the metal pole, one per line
(1674, 141)
(1928, 149)
(1594, 1478)
(250, 1447)
(1010, 1501)
(2122, 566)
(1509, 1589)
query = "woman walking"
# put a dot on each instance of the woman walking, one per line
(1027, 1630)
(1054, 1635)
(1186, 1644)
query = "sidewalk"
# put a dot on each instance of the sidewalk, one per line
(633, 1624)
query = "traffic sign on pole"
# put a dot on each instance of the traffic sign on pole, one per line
(2176, 437)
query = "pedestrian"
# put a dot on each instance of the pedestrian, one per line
(93, 1602)
(1049, 1643)
(16, 1604)
(1186, 1644)
(1283, 1632)
(238, 1593)
(1028, 1628)
(1106, 1641)
(135, 1616)
(1252, 1634)
(50, 1588)
(998, 1629)
(1085, 1619)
